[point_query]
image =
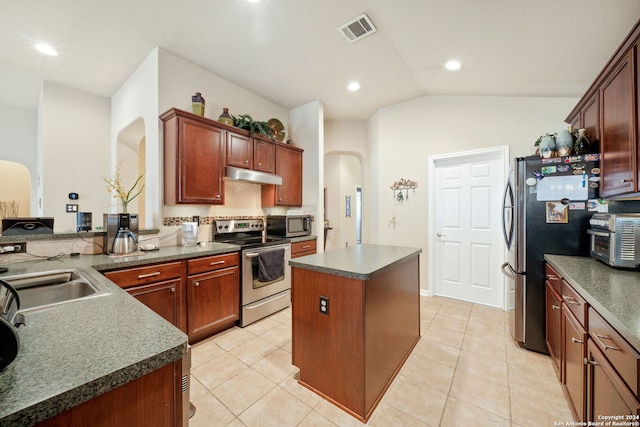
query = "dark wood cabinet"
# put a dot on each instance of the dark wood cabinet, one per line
(573, 368)
(151, 400)
(194, 159)
(618, 124)
(264, 155)
(591, 121)
(213, 295)
(553, 304)
(609, 395)
(289, 167)
(239, 151)
(158, 286)
(307, 247)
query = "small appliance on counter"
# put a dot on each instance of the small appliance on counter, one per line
(189, 233)
(9, 305)
(121, 235)
(615, 239)
(289, 225)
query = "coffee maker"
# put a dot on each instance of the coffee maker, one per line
(121, 235)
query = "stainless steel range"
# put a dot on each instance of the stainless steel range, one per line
(265, 273)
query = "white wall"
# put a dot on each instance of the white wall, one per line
(403, 136)
(74, 136)
(307, 131)
(18, 143)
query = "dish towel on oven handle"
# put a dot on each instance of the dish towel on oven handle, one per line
(270, 265)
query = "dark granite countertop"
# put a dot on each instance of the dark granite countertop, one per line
(357, 262)
(73, 352)
(613, 293)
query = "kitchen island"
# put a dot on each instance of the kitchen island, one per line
(77, 353)
(356, 319)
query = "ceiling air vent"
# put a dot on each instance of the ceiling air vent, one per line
(357, 28)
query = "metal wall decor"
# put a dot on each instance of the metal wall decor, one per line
(403, 185)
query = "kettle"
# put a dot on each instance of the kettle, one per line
(124, 242)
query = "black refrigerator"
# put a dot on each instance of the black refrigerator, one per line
(546, 210)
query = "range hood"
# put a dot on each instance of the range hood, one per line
(239, 174)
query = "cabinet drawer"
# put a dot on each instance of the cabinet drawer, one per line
(146, 274)
(211, 263)
(575, 303)
(553, 277)
(622, 356)
(305, 246)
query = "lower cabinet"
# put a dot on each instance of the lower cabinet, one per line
(158, 286)
(553, 303)
(151, 400)
(609, 395)
(600, 370)
(573, 367)
(213, 295)
(306, 247)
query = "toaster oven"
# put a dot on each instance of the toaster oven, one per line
(615, 239)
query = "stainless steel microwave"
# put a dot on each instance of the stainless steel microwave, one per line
(615, 239)
(289, 225)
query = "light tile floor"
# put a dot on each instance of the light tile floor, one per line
(465, 370)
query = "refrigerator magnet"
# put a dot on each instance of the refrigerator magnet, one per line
(576, 206)
(557, 213)
(546, 170)
(592, 204)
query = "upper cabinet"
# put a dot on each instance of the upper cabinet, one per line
(289, 167)
(194, 158)
(239, 151)
(609, 113)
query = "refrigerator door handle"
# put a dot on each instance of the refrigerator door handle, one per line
(508, 215)
(508, 271)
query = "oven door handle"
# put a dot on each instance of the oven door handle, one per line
(255, 254)
(598, 233)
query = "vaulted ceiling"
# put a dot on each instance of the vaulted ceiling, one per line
(290, 51)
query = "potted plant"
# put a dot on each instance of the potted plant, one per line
(246, 122)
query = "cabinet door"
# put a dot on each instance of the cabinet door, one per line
(591, 121)
(193, 159)
(264, 156)
(289, 167)
(213, 301)
(608, 394)
(554, 326)
(239, 151)
(163, 298)
(573, 367)
(617, 129)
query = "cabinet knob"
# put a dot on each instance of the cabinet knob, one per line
(218, 196)
(259, 164)
(173, 289)
(246, 162)
(197, 284)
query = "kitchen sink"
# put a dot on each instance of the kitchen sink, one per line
(49, 288)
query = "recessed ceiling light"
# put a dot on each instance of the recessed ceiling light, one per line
(46, 49)
(453, 65)
(354, 86)
(253, 1)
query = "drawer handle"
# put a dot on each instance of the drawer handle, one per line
(570, 300)
(606, 346)
(576, 341)
(624, 180)
(216, 262)
(144, 276)
(590, 362)
(552, 276)
(555, 307)
(306, 246)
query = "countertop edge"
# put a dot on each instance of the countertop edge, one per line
(629, 335)
(300, 263)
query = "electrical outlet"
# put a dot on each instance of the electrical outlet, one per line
(324, 305)
(13, 248)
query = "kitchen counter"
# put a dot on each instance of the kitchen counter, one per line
(613, 293)
(73, 352)
(357, 262)
(303, 238)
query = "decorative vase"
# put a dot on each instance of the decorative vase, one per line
(225, 117)
(547, 146)
(564, 143)
(582, 143)
(197, 104)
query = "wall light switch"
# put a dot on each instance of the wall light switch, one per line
(71, 207)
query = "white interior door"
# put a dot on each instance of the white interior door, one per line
(466, 235)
